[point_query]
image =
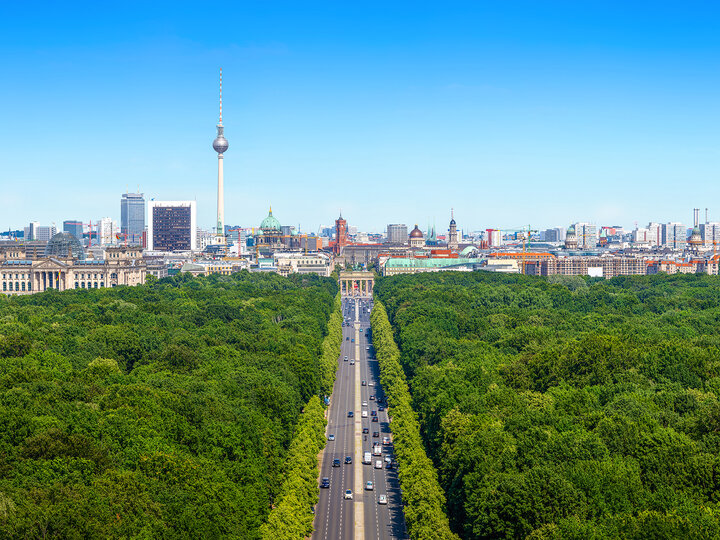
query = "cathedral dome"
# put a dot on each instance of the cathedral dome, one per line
(270, 222)
(416, 232)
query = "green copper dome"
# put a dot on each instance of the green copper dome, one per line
(270, 222)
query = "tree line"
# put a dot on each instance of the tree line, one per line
(566, 407)
(423, 498)
(160, 411)
(293, 512)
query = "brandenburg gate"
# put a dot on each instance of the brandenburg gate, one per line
(356, 283)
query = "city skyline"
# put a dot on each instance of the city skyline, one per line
(550, 116)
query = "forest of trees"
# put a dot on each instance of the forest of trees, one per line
(566, 407)
(159, 411)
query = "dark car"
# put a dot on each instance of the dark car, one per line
(381, 409)
(350, 414)
(325, 483)
(366, 430)
(390, 465)
(376, 433)
(364, 383)
(373, 413)
(336, 462)
(348, 339)
(374, 418)
(372, 398)
(348, 460)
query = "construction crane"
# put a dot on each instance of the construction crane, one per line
(525, 232)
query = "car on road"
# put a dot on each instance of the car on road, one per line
(347, 338)
(364, 415)
(388, 459)
(350, 414)
(373, 413)
(345, 358)
(381, 408)
(376, 433)
(386, 440)
(348, 460)
(369, 486)
(366, 430)
(352, 340)
(352, 362)
(374, 418)
(372, 384)
(325, 483)
(372, 398)
(390, 465)
(367, 348)
(382, 499)
(364, 403)
(331, 437)
(336, 462)
(364, 383)
(378, 464)
(348, 494)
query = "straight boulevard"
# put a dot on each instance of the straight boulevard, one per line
(357, 390)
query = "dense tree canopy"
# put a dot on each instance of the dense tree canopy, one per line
(566, 407)
(160, 411)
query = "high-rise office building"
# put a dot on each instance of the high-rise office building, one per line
(132, 217)
(710, 234)
(586, 234)
(556, 234)
(172, 226)
(74, 227)
(674, 235)
(31, 231)
(397, 233)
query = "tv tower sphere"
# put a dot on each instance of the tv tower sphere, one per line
(220, 144)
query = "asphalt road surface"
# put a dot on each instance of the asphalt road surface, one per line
(337, 518)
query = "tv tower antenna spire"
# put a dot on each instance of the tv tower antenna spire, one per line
(220, 145)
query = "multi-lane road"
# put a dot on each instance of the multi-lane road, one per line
(357, 390)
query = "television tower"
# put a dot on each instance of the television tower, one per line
(220, 145)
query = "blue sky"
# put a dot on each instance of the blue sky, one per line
(511, 112)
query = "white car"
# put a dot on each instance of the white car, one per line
(371, 383)
(378, 464)
(331, 437)
(388, 459)
(364, 403)
(364, 414)
(348, 494)
(382, 499)
(369, 486)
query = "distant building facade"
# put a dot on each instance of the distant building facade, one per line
(397, 233)
(45, 232)
(172, 226)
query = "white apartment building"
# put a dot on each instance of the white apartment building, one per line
(710, 234)
(586, 234)
(107, 231)
(674, 235)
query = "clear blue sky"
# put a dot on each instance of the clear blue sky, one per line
(510, 112)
